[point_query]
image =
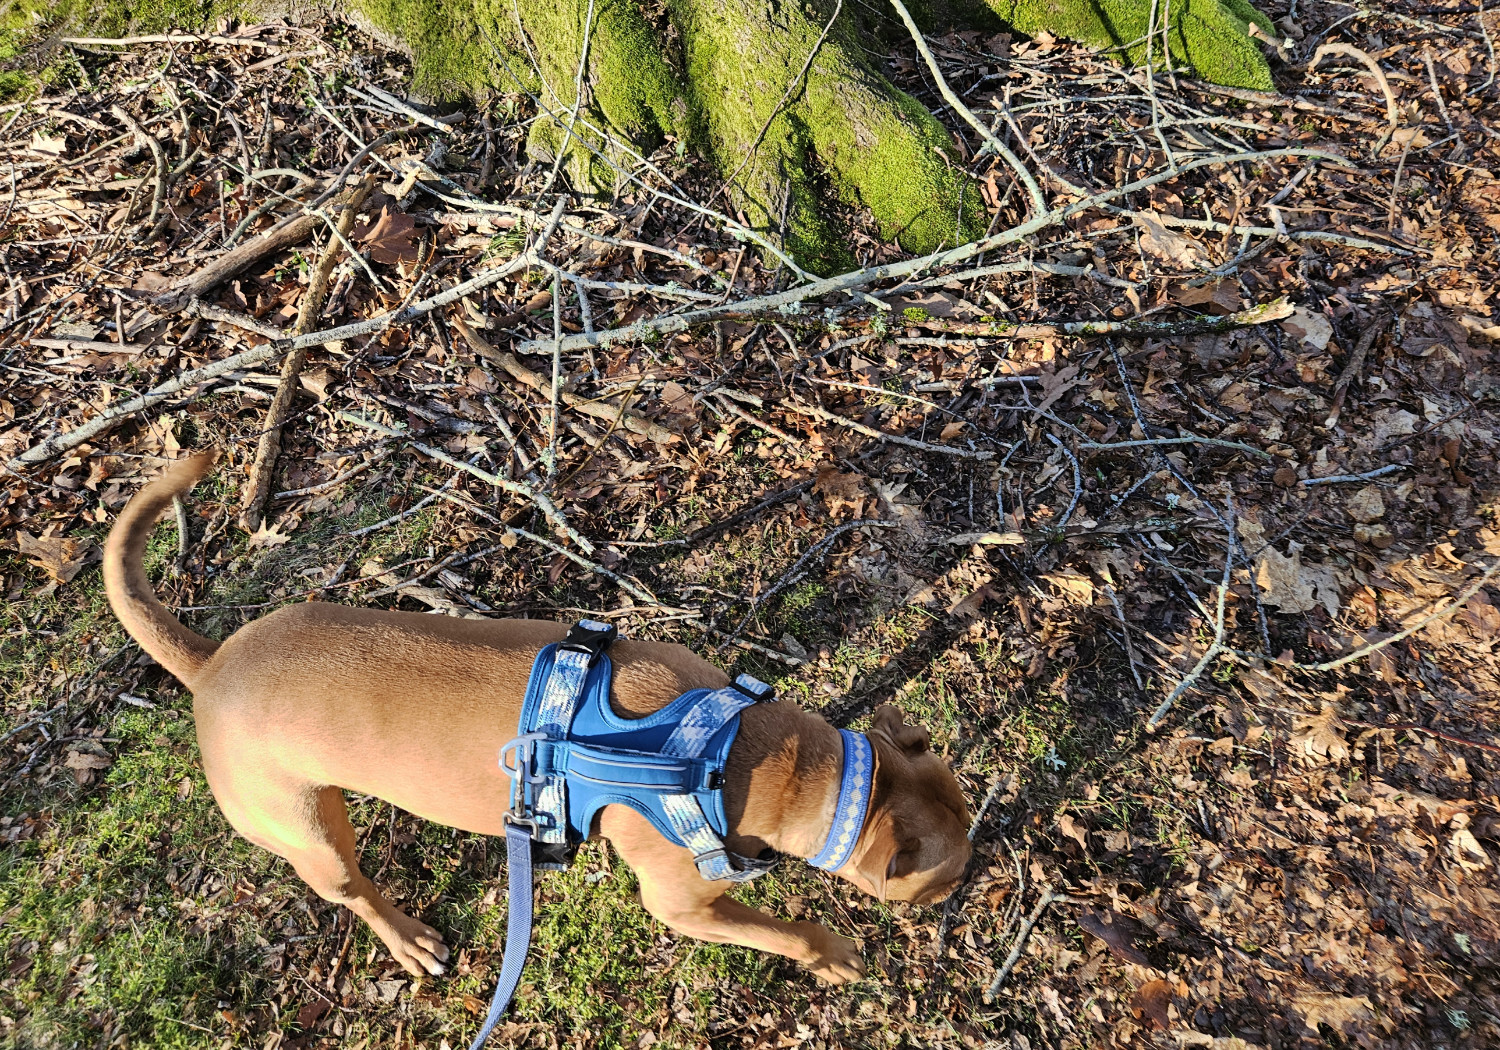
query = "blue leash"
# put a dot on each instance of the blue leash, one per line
(517, 929)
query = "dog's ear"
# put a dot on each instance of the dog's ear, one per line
(883, 855)
(910, 740)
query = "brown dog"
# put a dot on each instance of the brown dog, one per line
(315, 699)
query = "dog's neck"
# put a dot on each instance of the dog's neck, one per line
(782, 780)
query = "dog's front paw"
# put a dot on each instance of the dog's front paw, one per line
(835, 959)
(415, 945)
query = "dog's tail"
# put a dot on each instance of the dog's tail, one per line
(179, 650)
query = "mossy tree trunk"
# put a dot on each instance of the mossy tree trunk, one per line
(714, 76)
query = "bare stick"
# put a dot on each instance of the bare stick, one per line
(635, 590)
(211, 312)
(629, 420)
(45, 450)
(1392, 112)
(1215, 650)
(1339, 479)
(793, 574)
(168, 38)
(258, 485)
(1187, 439)
(1447, 610)
(282, 235)
(1356, 363)
(880, 435)
(1263, 314)
(1114, 600)
(336, 480)
(791, 299)
(1038, 202)
(1047, 898)
(531, 257)
(1077, 480)
(515, 488)
(556, 391)
(409, 511)
(144, 138)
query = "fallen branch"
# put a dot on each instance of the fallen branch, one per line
(629, 420)
(168, 38)
(59, 443)
(258, 484)
(283, 235)
(792, 575)
(531, 257)
(1340, 479)
(1186, 439)
(790, 301)
(1038, 202)
(1137, 327)
(1217, 649)
(1022, 935)
(515, 488)
(1392, 111)
(818, 412)
(158, 157)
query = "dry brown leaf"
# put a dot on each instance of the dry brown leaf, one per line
(269, 535)
(1313, 329)
(1168, 245)
(1285, 582)
(1346, 1015)
(1152, 1000)
(1071, 828)
(969, 607)
(1116, 931)
(61, 557)
(392, 238)
(54, 145)
(1320, 737)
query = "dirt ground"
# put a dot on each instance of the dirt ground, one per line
(1116, 571)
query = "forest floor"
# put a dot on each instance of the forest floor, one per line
(1029, 540)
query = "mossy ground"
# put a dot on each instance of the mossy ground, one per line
(29, 63)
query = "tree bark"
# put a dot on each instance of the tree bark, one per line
(801, 139)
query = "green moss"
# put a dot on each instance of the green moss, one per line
(1211, 36)
(30, 62)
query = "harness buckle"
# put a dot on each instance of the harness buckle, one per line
(591, 638)
(712, 855)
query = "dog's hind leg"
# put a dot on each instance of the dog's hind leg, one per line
(309, 826)
(674, 892)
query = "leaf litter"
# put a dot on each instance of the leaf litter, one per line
(1296, 858)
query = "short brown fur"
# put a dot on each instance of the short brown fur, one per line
(314, 699)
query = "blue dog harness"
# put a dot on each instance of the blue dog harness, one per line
(573, 755)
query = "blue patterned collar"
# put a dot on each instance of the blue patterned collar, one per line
(855, 788)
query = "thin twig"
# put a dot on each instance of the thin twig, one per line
(1038, 201)
(794, 573)
(408, 512)
(268, 450)
(515, 488)
(1214, 651)
(1186, 439)
(790, 300)
(491, 276)
(1046, 899)
(1114, 599)
(1339, 479)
